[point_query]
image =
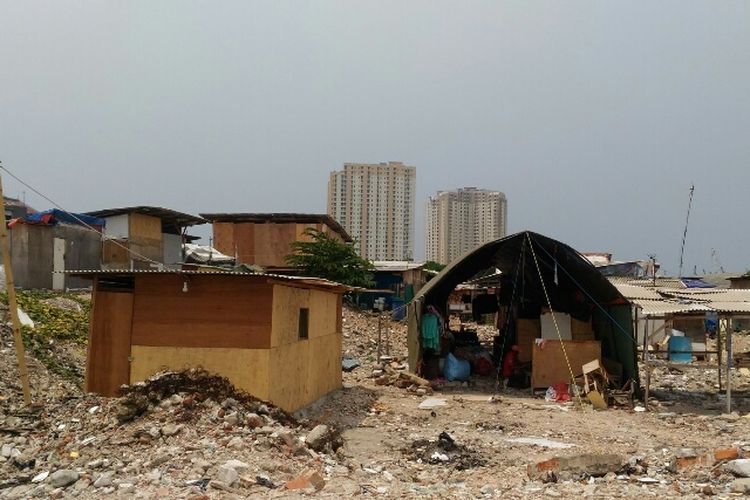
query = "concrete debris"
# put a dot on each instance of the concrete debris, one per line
(63, 477)
(318, 437)
(432, 403)
(740, 486)
(309, 479)
(227, 475)
(348, 363)
(688, 457)
(545, 443)
(739, 467)
(576, 466)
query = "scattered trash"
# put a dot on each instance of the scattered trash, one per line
(558, 392)
(348, 364)
(444, 451)
(647, 480)
(430, 403)
(456, 369)
(25, 319)
(40, 477)
(547, 443)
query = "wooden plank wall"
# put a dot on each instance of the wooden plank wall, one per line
(244, 240)
(223, 237)
(548, 364)
(114, 256)
(272, 243)
(216, 311)
(145, 238)
(108, 366)
(264, 244)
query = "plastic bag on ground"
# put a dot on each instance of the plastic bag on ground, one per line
(456, 369)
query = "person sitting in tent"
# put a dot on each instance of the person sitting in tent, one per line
(513, 371)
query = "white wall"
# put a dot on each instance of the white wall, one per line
(172, 248)
(117, 226)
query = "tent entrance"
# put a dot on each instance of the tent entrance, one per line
(526, 294)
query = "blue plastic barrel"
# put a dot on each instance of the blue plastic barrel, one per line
(399, 311)
(680, 349)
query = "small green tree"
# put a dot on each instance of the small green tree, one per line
(431, 265)
(327, 257)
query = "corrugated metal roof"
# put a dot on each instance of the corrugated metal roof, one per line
(647, 282)
(662, 307)
(396, 265)
(637, 292)
(167, 215)
(712, 294)
(308, 280)
(730, 307)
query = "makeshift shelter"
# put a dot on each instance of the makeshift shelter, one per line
(276, 337)
(264, 239)
(43, 243)
(401, 278)
(540, 274)
(144, 237)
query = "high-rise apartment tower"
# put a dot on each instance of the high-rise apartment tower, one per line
(375, 204)
(461, 220)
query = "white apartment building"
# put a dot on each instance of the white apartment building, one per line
(375, 204)
(461, 220)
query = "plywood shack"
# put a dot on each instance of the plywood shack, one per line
(142, 237)
(265, 239)
(278, 338)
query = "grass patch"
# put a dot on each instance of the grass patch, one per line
(51, 325)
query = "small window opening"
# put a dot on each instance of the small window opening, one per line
(304, 319)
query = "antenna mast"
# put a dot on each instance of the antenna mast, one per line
(684, 234)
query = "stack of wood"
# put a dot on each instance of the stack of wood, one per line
(404, 380)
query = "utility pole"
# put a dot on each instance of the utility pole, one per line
(13, 305)
(684, 234)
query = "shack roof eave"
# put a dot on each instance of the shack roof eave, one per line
(170, 218)
(310, 281)
(279, 218)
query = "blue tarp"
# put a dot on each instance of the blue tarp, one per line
(55, 216)
(695, 283)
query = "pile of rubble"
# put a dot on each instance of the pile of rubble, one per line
(360, 335)
(176, 435)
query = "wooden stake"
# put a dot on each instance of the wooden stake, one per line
(380, 330)
(729, 364)
(13, 305)
(718, 348)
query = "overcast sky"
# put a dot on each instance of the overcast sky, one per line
(593, 117)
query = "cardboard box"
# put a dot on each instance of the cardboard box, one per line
(527, 330)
